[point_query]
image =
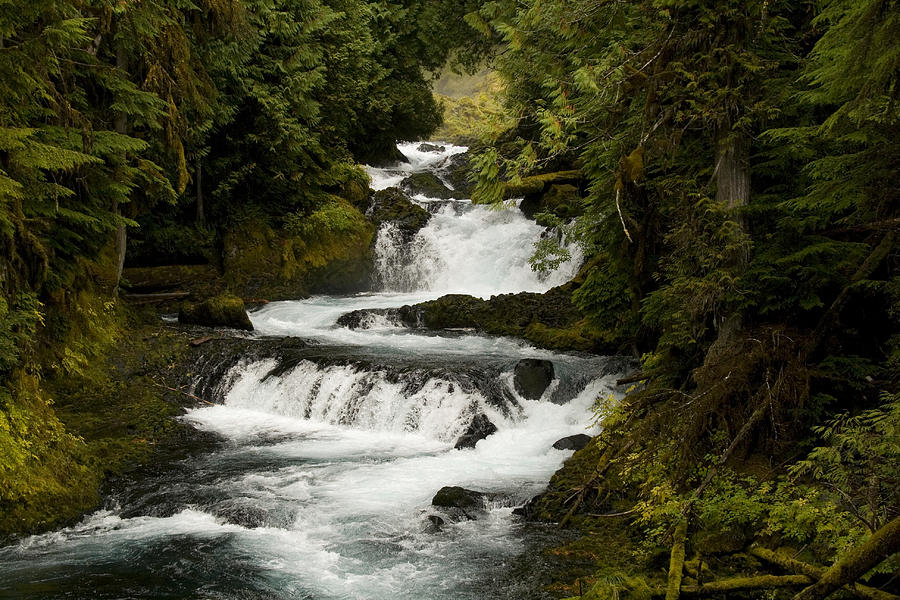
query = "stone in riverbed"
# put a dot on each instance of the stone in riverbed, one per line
(456, 171)
(426, 147)
(573, 442)
(459, 503)
(434, 524)
(220, 311)
(479, 428)
(533, 377)
(429, 185)
(393, 205)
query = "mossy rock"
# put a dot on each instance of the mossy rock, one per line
(562, 200)
(393, 205)
(326, 251)
(536, 184)
(220, 311)
(429, 185)
(548, 320)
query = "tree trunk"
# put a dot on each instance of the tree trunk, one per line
(882, 544)
(732, 176)
(201, 217)
(732, 173)
(121, 123)
(739, 584)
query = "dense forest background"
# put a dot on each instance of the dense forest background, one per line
(737, 200)
(740, 203)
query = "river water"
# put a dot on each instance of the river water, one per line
(319, 478)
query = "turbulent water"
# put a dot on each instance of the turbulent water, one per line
(319, 465)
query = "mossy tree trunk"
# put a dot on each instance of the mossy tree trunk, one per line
(676, 560)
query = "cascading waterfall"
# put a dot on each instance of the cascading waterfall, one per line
(326, 452)
(373, 400)
(464, 248)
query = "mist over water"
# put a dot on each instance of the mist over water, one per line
(320, 480)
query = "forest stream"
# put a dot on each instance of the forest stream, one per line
(323, 463)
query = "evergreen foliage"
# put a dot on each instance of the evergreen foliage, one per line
(176, 120)
(741, 226)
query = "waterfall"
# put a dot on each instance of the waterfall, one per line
(310, 470)
(464, 248)
(409, 400)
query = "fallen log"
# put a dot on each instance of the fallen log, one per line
(739, 584)
(676, 560)
(633, 378)
(742, 584)
(153, 298)
(792, 564)
(882, 544)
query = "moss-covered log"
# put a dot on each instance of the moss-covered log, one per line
(744, 584)
(676, 561)
(882, 544)
(792, 564)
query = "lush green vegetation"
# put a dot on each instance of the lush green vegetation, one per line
(733, 166)
(156, 131)
(742, 211)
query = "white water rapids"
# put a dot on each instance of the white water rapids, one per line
(321, 482)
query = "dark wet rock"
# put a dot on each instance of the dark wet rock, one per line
(527, 509)
(393, 205)
(251, 517)
(562, 200)
(479, 428)
(429, 185)
(426, 147)
(456, 171)
(459, 503)
(533, 377)
(220, 311)
(550, 320)
(383, 157)
(573, 442)
(434, 524)
(408, 316)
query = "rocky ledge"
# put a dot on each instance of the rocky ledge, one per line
(550, 320)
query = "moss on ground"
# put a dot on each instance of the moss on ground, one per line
(90, 417)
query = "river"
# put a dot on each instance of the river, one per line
(319, 478)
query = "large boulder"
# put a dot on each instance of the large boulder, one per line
(328, 251)
(533, 377)
(393, 205)
(573, 442)
(479, 428)
(429, 185)
(220, 311)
